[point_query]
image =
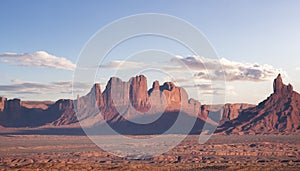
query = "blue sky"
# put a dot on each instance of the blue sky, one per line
(262, 32)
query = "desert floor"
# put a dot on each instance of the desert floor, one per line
(27, 151)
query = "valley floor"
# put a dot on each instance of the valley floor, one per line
(220, 152)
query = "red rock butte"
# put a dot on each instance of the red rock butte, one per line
(279, 113)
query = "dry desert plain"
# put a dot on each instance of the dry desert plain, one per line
(37, 149)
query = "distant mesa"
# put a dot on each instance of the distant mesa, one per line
(14, 113)
(128, 107)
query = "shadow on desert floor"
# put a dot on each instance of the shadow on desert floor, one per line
(43, 131)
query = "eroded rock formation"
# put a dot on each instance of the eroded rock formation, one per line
(279, 113)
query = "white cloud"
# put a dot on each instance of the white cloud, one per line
(233, 71)
(37, 59)
(298, 69)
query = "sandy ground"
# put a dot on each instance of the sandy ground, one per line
(78, 152)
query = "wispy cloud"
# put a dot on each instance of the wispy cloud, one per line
(20, 87)
(232, 71)
(37, 59)
(123, 65)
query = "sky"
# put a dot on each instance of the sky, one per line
(40, 42)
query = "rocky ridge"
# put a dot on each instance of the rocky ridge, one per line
(279, 113)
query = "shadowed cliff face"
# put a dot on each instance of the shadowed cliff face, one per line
(278, 113)
(65, 113)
